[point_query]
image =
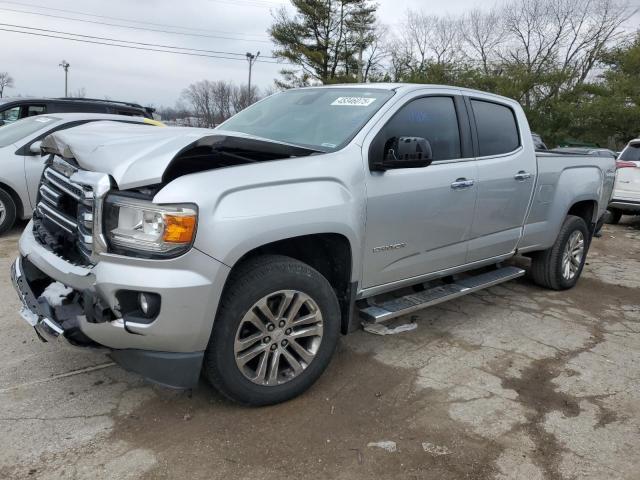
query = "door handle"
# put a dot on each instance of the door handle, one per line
(522, 176)
(462, 183)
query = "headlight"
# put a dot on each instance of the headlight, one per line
(139, 227)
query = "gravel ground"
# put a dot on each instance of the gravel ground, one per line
(515, 382)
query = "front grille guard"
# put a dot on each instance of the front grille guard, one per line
(86, 188)
(100, 184)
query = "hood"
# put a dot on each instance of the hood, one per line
(141, 155)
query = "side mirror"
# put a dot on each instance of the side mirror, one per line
(35, 148)
(405, 152)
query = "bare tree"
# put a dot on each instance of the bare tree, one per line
(6, 81)
(199, 96)
(80, 93)
(445, 40)
(241, 98)
(269, 90)
(482, 33)
(563, 36)
(426, 40)
(375, 54)
(211, 102)
(221, 93)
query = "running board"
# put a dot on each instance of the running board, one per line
(383, 311)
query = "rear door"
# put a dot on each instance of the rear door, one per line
(506, 178)
(627, 186)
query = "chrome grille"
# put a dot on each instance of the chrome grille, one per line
(63, 220)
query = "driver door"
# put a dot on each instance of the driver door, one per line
(418, 220)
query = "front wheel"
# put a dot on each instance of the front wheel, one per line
(559, 267)
(275, 332)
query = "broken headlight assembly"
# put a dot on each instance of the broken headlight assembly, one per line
(140, 228)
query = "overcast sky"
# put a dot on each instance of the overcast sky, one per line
(234, 26)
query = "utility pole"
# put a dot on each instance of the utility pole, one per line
(252, 59)
(65, 65)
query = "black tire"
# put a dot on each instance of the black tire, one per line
(614, 216)
(8, 213)
(249, 283)
(546, 266)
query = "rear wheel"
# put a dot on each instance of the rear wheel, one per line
(275, 332)
(7, 211)
(614, 216)
(559, 267)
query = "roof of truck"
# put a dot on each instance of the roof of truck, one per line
(407, 87)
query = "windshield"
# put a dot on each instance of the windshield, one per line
(632, 153)
(323, 119)
(23, 128)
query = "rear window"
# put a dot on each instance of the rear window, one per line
(33, 110)
(497, 128)
(631, 153)
(23, 128)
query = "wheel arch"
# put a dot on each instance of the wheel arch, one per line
(587, 210)
(331, 254)
(16, 199)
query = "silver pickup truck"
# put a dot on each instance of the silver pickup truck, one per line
(243, 252)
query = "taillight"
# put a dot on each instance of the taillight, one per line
(624, 164)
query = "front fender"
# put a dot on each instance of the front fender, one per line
(243, 208)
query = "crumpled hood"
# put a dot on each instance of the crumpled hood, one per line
(134, 155)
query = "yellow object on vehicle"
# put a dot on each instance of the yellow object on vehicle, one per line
(157, 123)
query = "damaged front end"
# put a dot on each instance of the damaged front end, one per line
(229, 150)
(51, 308)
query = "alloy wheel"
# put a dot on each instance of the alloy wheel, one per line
(572, 255)
(278, 337)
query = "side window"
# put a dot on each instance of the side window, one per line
(433, 118)
(77, 107)
(128, 113)
(10, 115)
(497, 128)
(33, 110)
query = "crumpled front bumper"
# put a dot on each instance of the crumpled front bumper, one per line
(32, 311)
(168, 350)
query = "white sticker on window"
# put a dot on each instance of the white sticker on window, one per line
(43, 119)
(353, 101)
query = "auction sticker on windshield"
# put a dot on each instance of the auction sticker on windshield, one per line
(353, 101)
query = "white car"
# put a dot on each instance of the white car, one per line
(626, 192)
(21, 162)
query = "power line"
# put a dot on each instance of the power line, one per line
(126, 41)
(249, 3)
(131, 46)
(95, 22)
(119, 19)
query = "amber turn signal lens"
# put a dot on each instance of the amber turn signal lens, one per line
(179, 228)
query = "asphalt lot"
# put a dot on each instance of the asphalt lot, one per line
(515, 382)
